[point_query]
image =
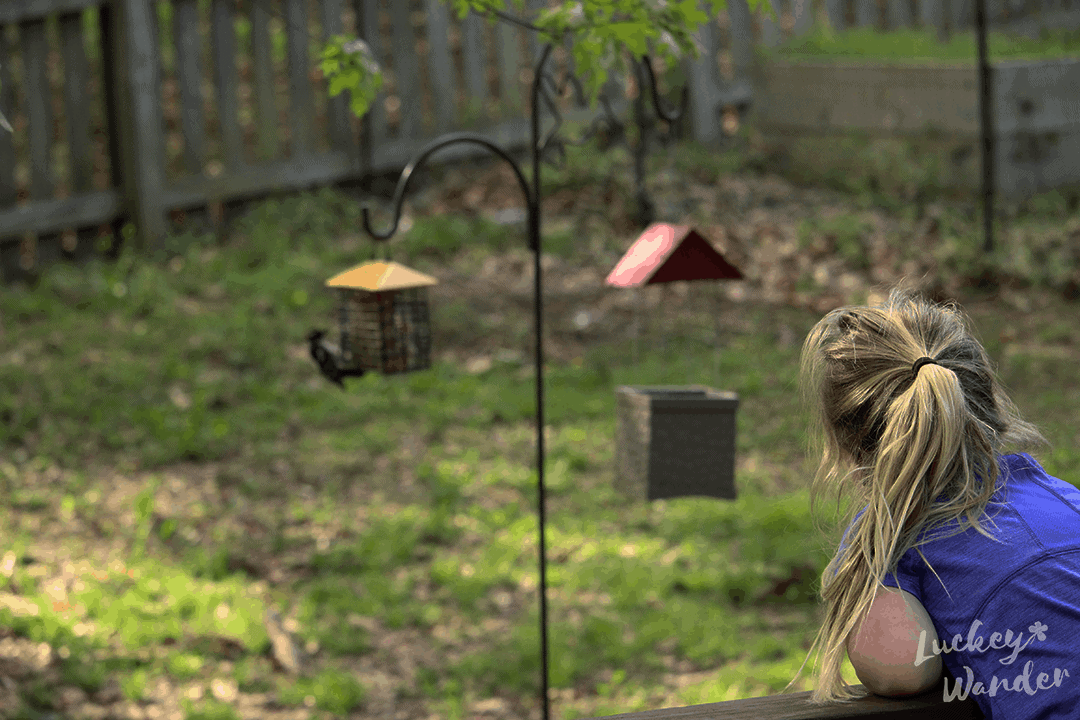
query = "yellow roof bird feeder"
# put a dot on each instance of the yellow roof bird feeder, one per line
(384, 318)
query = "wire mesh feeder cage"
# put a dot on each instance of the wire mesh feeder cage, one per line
(384, 318)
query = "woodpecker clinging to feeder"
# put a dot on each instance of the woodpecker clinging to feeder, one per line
(325, 354)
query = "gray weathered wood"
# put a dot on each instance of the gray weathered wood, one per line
(53, 215)
(535, 47)
(188, 44)
(338, 125)
(13, 11)
(1018, 8)
(226, 82)
(865, 13)
(40, 130)
(742, 55)
(934, 14)
(253, 181)
(406, 72)
(961, 15)
(76, 102)
(375, 130)
(113, 94)
(474, 54)
(301, 97)
(834, 10)
(8, 191)
(899, 14)
(508, 57)
(38, 109)
(770, 29)
(797, 706)
(139, 108)
(803, 14)
(9, 241)
(76, 110)
(441, 65)
(705, 81)
(534, 40)
(262, 65)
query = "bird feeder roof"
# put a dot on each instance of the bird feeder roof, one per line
(665, 253)
(376, 276)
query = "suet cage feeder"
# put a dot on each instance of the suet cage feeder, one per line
(674, 441)
(384, 318)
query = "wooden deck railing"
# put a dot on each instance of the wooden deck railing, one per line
(796, 706)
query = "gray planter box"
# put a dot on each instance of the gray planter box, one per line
(675, 441)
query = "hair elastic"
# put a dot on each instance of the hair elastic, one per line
(920, 362)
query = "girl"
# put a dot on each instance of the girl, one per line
(913, 422)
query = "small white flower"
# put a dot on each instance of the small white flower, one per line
(356, 46)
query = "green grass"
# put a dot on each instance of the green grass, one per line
(198, 361)
(920, 45)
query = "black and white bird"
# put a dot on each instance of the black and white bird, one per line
(325, 354)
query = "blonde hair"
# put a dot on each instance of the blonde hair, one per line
(904, 440)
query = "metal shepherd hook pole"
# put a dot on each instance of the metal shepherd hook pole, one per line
(532, 202)
(986, 120)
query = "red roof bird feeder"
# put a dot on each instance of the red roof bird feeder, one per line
(674, 441)
(666, 253)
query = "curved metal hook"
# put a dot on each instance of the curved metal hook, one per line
(406, 175)
(657, 102)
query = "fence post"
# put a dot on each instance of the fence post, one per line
(138, 116)
(703, 77)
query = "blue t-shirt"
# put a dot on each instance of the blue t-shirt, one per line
(1017, 602)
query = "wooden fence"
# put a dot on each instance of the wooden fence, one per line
(144, 110)
(796, 706)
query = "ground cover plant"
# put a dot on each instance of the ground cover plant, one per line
(198, 523)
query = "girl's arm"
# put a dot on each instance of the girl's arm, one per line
(885, 647)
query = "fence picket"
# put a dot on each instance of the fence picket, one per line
(141, 143)
(9, 193)
(266, 110)
(441, 65)
(474, 54)
(704, 112)
(375, 131)
(111, 41)
(865, 13)
(770, 29)
(189, 80)
(803, 12)
(509, 59)
(40, 117)
(741, 39)
(223, 42)
(961, 18)
(834, 10)
(899, 15)
(301, 90)
(76, 112)
(338, 125)
(934, 14)
(406, 71)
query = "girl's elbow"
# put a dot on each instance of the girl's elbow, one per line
(908, 680)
